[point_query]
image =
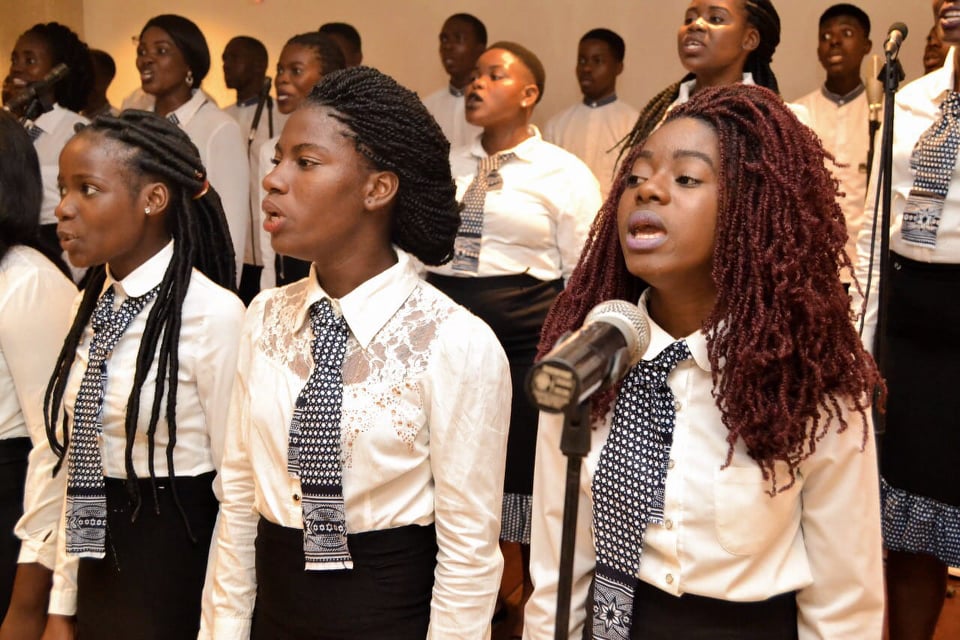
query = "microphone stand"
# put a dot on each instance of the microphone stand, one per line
(575, 444)
(39, 105)
(892, 76)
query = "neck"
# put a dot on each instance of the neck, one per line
(681, 313)
(721, 78)
(461, 81)
(497, 139)
(171, 101)
(842, 85)
(599, 97)
(339, 275)
(249, 91)
(956, 68)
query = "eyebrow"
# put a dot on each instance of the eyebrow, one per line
(646, 154)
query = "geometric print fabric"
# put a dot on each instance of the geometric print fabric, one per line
(466, 248)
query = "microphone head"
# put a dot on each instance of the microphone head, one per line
(267, 83)
(629, 320)
(57, 73)
(898, 26)
(872, 83)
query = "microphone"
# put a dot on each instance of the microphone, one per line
(896, 34)
(264, 96)
(874, 88)
(613, 337)
(34, 89)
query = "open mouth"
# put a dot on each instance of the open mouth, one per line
(645, 231)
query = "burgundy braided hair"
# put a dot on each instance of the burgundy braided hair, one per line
(781, 326)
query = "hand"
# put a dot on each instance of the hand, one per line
(60, 628)
(27, 613)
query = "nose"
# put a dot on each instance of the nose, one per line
(63, 211)
(273, 182)
(652, 190)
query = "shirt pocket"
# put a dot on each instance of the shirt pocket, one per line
(749, 519)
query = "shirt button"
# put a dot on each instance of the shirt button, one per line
(668, 523)
(669, 578)
(296, 497)
(671, 463)
(677, 405)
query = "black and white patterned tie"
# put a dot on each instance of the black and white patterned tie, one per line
(933, 160)
(86, 519)
(34, 132)
(628, 487)
(313, 451)
(466, 248)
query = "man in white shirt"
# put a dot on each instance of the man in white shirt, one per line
(592, 128)
(839, 111)
(245, 62)
(462, 39)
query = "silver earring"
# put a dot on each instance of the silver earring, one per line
(189, 78)
(146, 210)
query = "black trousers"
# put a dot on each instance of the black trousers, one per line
(149, 585)
(13, 476)
(386, 596)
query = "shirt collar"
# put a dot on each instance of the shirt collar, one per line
(50, 120)
(145, 277)
(602, 102)
(249, 102)
(523, 151)
(185, 112)
(686, 88)
(841, 100)
(455, 91)
(940, 82)
(660, 339)
(368, 307)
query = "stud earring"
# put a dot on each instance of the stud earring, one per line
(189, 78)
(146, 210)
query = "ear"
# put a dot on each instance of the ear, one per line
(752, 39)
(380, 190)
(619, 68)
(154, 195)
(530, 95)
(867, 47)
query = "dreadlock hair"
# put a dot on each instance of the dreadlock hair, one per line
(761, 15)
(782, 345)
(156, 149)
(21, 192)
(67, 48)
(330, 54)
(394, 131)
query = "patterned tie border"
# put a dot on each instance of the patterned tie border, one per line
(628, 487)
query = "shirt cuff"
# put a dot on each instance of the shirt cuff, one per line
(231, 628)
(63, 602)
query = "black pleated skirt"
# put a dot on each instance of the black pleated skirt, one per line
(386, 596)
(149, 584)
(13, 476)
(515, 308)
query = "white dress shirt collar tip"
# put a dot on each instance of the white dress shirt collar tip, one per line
(526, 150)
(146, 276)
(368, 307)
(188, 109)
(941, 80)
(660, 339)
(50, 120)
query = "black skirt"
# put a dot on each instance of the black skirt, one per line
(149, 584)
(919, 452)
(13, 476)
(386, 596)
(515, 308)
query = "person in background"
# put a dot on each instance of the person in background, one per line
(304, 61)
(245, 71)
(347, 38)
(104, 70)
(37, 51)
(173, 59)
(920, 340)
(935, 52)
(731, 488)
(463, 38)
(839, 111)
(527, 208)
(362, 474)
(35, 299)
(592, 128)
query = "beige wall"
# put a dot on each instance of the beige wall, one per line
(400, 35)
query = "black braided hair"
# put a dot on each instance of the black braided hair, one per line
(761, 15)
(326, 48)
(21, 192)
(395, 132)
(66, 47)
(157, 150)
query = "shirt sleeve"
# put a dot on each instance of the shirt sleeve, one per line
(469, 409)
(229, 173)
(41, 308)
(867, 268)
(216, 367)
(63, 593)
(546, 535)
(578, 208)
(234, 588)
(841, 532)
